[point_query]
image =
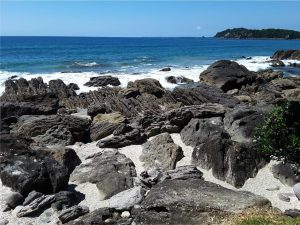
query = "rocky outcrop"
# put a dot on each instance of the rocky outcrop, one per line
(103, 81)
(148, 86)
(53, 128)
(269, 74)
(203, 93)
(190, 202)
(134, 136)
(227, 75)
(111, 171)
(289, 54)
(161, 152)
(179, 80)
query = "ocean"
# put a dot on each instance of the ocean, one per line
(76, 59)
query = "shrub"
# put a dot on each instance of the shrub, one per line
(279, 134)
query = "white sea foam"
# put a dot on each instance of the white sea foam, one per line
(86, 64)
(254, 64)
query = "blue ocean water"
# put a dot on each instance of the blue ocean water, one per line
(130, 55)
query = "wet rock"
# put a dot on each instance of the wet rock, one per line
(73, 86)
(178, 80)
(190, 202)
(227, 75)
(14, 199)
(161, 152)
(129, 138)
(148, 86)
(167, 69)
(110, 170)
(289, 54)
(72, 213)
(276, 63)
(103, 81)
(203, 93)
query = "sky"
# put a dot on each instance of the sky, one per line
(142, 18)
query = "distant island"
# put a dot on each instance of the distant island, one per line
(243, 33)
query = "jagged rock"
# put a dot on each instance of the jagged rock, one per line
(148, 86)
(36, 206)
(100, 216)
(111, 171)
(129, 138)
(161, 152)
(287, 173)
(31, 197)
(94, 110)
(177, 80)
(73, 86)
(241, 122)
(289, 54)
(56, 135)
(283, 84)
(203, 93)
(24, 174)
(227, 75)
(103, 81)
(32, 126)
(14, 199)
(102, 130)
(110, 118)
(276, 63)
(72, 213)
(64, 199)
(190, 202)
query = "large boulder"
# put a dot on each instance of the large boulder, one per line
(111, 171)
(103, 81)
(24, 174)
(203, 93)
(179, 80)
(147, 86)
(192, 201)
(242, 121)
(161, 152)
(227, 75)
(33, 126)
(289, 54)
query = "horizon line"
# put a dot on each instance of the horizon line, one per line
(107, 36)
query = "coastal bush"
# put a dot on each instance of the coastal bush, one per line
(279, 134)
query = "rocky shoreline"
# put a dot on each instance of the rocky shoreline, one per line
(139, 155)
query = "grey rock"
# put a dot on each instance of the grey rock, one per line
(296, 190)
(283, 197)
(94, 110)
(103, 81)
(64, 199)
(14, 199)
(166, 69)
(292, 212)
(72, 213)
(4, 222)
(190, 202)
(31, 197)
(227, 75)
(36, 206)
(147, 86)
(177, 80)
(102, 130)
(287, 173)
(161, 152)
(288, 54)
(111, 171)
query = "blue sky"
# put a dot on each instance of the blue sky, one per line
(150, 18)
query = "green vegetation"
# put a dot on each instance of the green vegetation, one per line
(261, 217)
(279, 134)
(243, 33)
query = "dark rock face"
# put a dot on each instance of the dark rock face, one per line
(110, 170)
(94, 110)
(14, 199)
(289, 54)
(32, 126)
(72, 213)
(102, 130)
(276, 63)
(241, 122)
(103, 81)
(148, 86)
(270, 74)
(190, 202)
(23, 174)
(132, 137)
(203, 93)
(227, 75)
(161, 152)
(167, 69)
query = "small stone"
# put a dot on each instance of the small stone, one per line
(14, 199)
(125, 214)
(283, 197)
(273, 188)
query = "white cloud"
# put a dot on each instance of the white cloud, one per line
(199, 28)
